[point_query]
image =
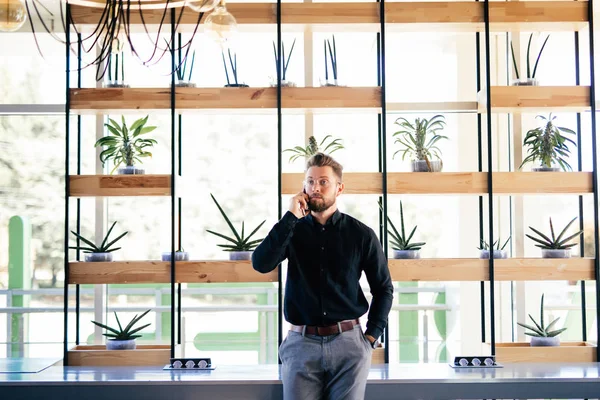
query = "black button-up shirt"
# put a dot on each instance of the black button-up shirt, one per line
(325, 263)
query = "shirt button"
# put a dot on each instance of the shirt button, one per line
(323, 228)
(324, 313)
(322, 247)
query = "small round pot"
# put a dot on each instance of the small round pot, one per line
(525, 82)
(185, 84)
(421, 166)
(544, 341)
(556, 253)
(497, 254)
(179, 256)
(131, 170)
(98, 257)
(115, 84)
(406, 254)
(284, 83)
(237, 85)
(112, 344)
(240, 255)
(546, 169)
(331, 82)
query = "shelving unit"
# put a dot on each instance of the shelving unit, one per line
(452, 16)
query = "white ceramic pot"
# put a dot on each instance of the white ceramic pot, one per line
(240, 255)
(421, 166)
(556, 253)
(131, 170)
(98, 257)
(406, 254)
(497, 254)
(112, 344)
(179, 256)
(542, 168)
(544, 341)
(525, 82)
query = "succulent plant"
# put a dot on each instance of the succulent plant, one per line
(239, 242)
(286, 60)
(313, 147)
(530, 73)
(123, 334)
(104, 246)
(419, 139)
(554, 243)
(327, 44)
(483, 245)
(539, 330)
(399, 240)
(548, 145)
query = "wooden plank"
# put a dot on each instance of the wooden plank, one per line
(567, 352)
(159, 272)
(476, 182)
(453, 16)
(120, 185)
(111, 99)
(536, 98)
(475, 269)
(98, 356)
(355, 183)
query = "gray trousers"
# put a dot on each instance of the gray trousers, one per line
(331, 367)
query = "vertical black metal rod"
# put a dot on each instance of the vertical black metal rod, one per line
(173, 202)
(179, 200)
(67, 187)
(580, 197)
(486, 18)
(480, 169)
(383, 147)
(279, 172)
(78, 227)
(595, 168)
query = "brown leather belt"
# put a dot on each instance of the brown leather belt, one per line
(340, 327)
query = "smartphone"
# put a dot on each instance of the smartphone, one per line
(307, 203)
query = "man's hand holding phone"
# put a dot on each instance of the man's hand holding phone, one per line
(299, 205)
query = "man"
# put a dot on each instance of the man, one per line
(325, 354)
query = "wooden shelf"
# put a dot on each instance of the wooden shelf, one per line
(567, 352)
(92, 100)
(476, 269)
(160, 272)
(122, 185)
(536, 98)
(450, 183)
(461, 16)
(98, 356)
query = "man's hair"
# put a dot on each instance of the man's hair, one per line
(324, 160)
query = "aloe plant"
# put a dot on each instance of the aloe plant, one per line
(419, 139)
(554, 242)
(540, 330)
(330, 45)
(182, 68)
(239, 242)
(399, 239)
(123, 334)
(234, 70)
(313, 147)
(483, 245)
(548, 145)
(286, 60)
(125, 145)
(530, 72)
(104, 247)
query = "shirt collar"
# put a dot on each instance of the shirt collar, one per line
(331, 221)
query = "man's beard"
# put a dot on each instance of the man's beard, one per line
(319, 204)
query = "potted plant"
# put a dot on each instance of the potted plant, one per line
(330, 45)
(419, 141)
(313, 147)
(284, 65)
(542, 335)
(401, 245)
(180, 255)
(181, 81)
(122, 339)
(530, 79)
(234, 70)
(125, 145)
(555, 247)
(100, 253)
(499, 252)
(241, 246)
(113, 63)
(547, 145)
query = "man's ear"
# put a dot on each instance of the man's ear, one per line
(340, 189)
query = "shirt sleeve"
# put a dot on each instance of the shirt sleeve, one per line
(273, 250)
(377, 272)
